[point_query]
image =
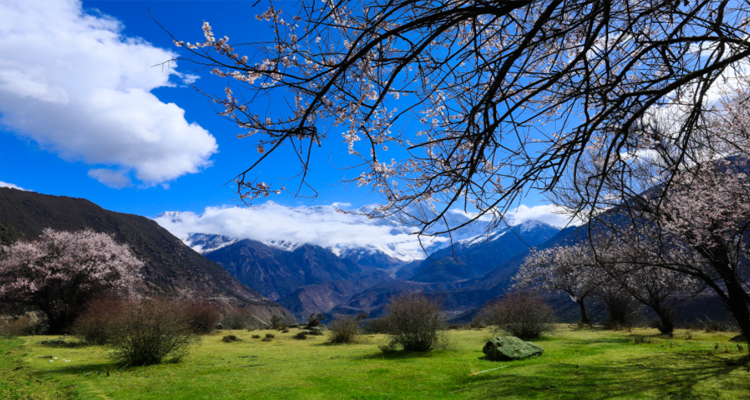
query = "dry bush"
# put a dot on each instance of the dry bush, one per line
(709, 325)
(93, 326)
(201, 316)
(345, 329)
(521, 314)
(237, 318)
(477, 325)
(314, 320)
(148, 331)
(278, 323)
(230, 339)
(414, 319)
(15, 326)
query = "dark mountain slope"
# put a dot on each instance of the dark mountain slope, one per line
(320, 298)
(473, 259)
(277, 273)
(171, 266)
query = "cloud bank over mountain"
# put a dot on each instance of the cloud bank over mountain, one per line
(12, 186)
(70, 81)
(326, 227)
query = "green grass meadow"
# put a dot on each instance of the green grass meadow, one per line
(577, 364)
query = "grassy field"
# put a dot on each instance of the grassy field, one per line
(577, 364)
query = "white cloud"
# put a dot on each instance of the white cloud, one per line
(12, 186)
(319, 225)
(115, 179)
(549, 214)
(71, 82)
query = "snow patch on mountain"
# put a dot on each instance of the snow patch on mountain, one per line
(205, 243)
(281, 244)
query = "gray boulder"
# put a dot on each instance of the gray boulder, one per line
(509, 348)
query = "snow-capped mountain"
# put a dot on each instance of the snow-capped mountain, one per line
(206, 242)
(281, 244)
(344, 233)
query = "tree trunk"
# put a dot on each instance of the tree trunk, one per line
(738, 306)
(584, 317)
(665, 325)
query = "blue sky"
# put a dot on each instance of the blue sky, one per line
(83, 112)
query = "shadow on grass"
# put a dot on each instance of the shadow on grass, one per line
(646, 377)
(396, 355)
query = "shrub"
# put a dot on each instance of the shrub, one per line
(476, 324)
(148, 331)
(414, 319)
(277, 322)
(237, 318)
(256, 336)
(345, 329)
(94, 324)
(270, 335)
(314, 320)
(710, 325)
(300, 335)
(267, 339)
(201, 316)
(521, 314)
(15, 326)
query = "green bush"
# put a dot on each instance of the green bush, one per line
(345, 329)
(521, 314)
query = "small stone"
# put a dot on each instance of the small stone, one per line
(509, 348)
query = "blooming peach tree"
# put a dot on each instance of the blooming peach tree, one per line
(60, 271)
(568, 269)
(635, 262)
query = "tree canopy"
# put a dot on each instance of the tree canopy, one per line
(472, 104)
(61, 271)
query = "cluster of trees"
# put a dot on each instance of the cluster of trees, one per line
(685, 236)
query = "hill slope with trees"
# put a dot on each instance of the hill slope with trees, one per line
(171, 267)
